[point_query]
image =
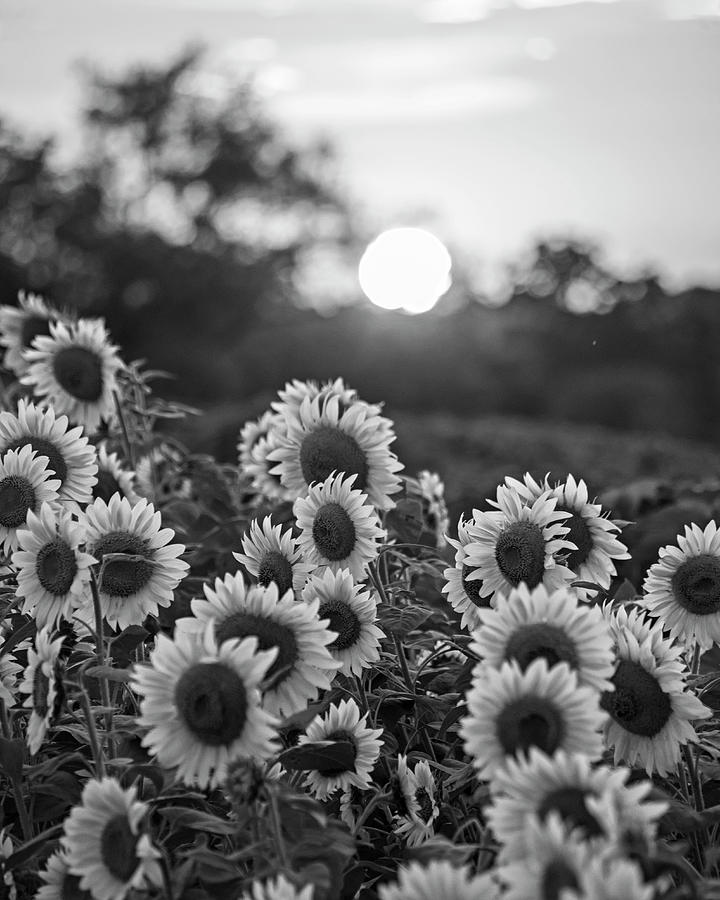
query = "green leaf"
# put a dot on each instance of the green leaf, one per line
(12, 755)
(109, 673)
(33, 847)
(401, 620)
(182, 817)
(320, 756)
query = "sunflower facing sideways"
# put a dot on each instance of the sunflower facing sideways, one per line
(463, 595)
(43, 684)
(271, 555)
(25, 484)
(201, 704)
(113, 478)
(419, 799)
(21, 324)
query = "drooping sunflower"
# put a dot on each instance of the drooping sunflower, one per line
(278, 888)
(338, 528)
(419, 793)
(201, 704)
(322, 439)
(43, 684)
(650, 710)
(105, 844)
(528, 624)
(273, 556)
(60, 883)
(352, 612)
(75, 369)
(134, 586)
(517, 542)
(439, 878)
(511, 710)
(566, 784)
(25, 484)
(113, 478)
(342, 722)
(20, 324)
(53, 572)
(71, 459)
(303, 666)
(682, 589)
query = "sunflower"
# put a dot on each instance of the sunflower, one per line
(296, 391)
(321, 440)
(511, 710)
(529, 624)
(9, 669)
(71, 458)
(439, 879)
(352, 613)
(568, 785)
(432, 493)
(517, 542)
(132, 587)
(105, 843)
(278, 888)
(650, 710)
(552, 867)
(273, 556)
(463, 595)
(338, 528)
(25, 484)
(113, 478)
(20, 324)
(75, 369)
(303, 665)
(257, 440)
(342, 722)
(682, 589)
(43, 683)
(201, 704)
(53, 572)
(419, 794)
(252, 432)
(60, 883)
(608, 878)
(158, 475)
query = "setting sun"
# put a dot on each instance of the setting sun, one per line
(405, 268)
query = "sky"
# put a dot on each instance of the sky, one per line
(489, 122)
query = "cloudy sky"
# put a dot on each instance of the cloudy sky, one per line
(488, 121)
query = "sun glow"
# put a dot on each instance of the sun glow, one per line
(405, 268)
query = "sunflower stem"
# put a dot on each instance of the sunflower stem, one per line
(361, 691)
(92, 734)
(101, 660)
(690, 762)
(369, 807)
(127, 443)
(5, 722)
(17, 786)
(277, 830)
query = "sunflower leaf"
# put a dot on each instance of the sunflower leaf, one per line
(400, 621)
(320, 756)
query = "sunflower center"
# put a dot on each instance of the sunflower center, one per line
(580, 535)
(569, 802)
(123, 577)
(107, 485)
(269, 634)
(32, 327)
(117, 847)
(696, 584)
(212, 701)
(70, 889)
(40, 692)
(472, 588)
(79, 372)
(333, 532)
(527, 722)
(56, 567)
(541, 640)
(326, 449)
(557, 876)
(274, 566)
(638, 702)
(56, 461)
(425, 804)
(520, 553)
(342, 620)
(17, 496)
(341, 735)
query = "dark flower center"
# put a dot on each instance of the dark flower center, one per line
(70, 889)
(56, 461)
(32, 327)
(527, 722)
(569, 802)
(107, 485)
(343, 621)
(638, 702)
(520, 554)
(472, 588)
(425, 804)
(274, 566)
(79, 372)
(269, 634)
(541, 640)
(56, 567)
(557, 876)
(696, 584)
(123, 577)
(326, 449)
(117, 847)
(212, 701)
(580, 535)
(341, 735)
(17, 496)
(333, 532)
(41, 690)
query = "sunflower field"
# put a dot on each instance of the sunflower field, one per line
(294, 678)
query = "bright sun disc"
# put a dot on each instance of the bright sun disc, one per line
(405, 268)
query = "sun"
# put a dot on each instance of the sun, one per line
(405, 268)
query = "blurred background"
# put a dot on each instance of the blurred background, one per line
(207, 174)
